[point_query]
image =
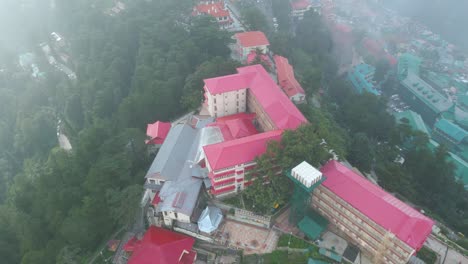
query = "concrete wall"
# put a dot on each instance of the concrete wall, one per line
(228, 103)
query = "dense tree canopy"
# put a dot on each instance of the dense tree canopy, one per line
(132, 69)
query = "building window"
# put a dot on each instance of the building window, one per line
(165, 213)
(216, 108)
(176, 216)
(237, 95)
(214, 100)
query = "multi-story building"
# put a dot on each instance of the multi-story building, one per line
(247, 42)
(287, 81)
(422, 97)
(244, 136)
(361, 78)
(215, 9)
(449, 133)
(382, 226)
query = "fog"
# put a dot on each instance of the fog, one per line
(449, 18)
(22, 24)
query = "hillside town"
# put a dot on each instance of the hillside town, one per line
(210, 155)
(256, 172)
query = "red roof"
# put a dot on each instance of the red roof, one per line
(236, 126)
(162, 246)
(252, 39)
(157, 132)
(406, 223)
(282, 112)
(238, 151)
(286, 78)
(300, 4)
(253, 55)
(156, 199)
(215, 9)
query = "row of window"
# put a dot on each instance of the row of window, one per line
(351, 212)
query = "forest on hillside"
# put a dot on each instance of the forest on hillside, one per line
(133, 68)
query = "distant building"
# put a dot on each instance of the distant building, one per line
(376, 48)
(378, 223)
(413, 119)
(287, 81)
(246, 42)
(299, 7)
(449, 133)
(161, 246)
(423, 98)
(215, 9)
(361, 78)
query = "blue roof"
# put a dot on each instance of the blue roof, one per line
(361, 78)
(450, 129)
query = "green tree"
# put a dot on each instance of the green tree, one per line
(381, 70)
(361, 153)
(255, 20)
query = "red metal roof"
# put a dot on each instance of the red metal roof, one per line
(286, 78)
(162, 246)
(300, 4)
(238, 151)
(215, 9)
(406, 223)
(236, 126)
(157, 132)
(282, 112)
(252, 39)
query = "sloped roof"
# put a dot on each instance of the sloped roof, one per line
(282, 112)
(252, 39)
(406, 223)
(173, 153)
(227, 83)
(157, 132)
(215, 9)
(236, 126)
(180, 196)
(286, 78)
(229, 153)
(210, 219)
(276, 104)
(451, 129)
(415, 120)
(161, 246)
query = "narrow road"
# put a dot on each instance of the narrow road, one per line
(453, 256)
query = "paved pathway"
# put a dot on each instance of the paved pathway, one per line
(453, 256)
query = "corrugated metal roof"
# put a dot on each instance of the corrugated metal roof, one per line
(173, 153)
(451, 129)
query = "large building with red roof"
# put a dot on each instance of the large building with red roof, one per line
(245, 135)
(215, 9)
(380, 224)
(287, 81)
(247, 42)
(161, 246)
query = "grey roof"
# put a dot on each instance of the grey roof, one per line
(210, 219)
(180, 196)
(176, 164)
(173, 153)
(426, 93)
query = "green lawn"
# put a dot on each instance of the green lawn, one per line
(295, 242)
(276, 257)
(427, 255)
